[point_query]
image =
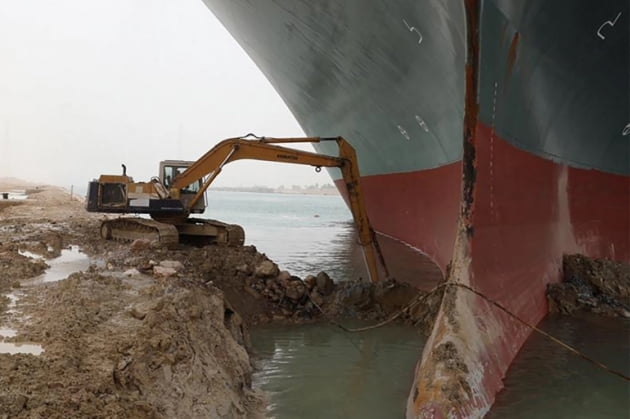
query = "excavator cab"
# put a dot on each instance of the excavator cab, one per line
(169, 170)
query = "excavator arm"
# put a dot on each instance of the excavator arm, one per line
(269, 149)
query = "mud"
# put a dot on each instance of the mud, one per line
(591, 285)
(115, 345)
(148, 331)
(127, 347)
(456, 388)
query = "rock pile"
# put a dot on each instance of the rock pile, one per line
(14, 265)
(295, 297)
(318, 296)
(591, 285)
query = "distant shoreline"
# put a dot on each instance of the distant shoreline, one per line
(10, 184)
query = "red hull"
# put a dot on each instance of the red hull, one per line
(419, 208)
(527, 213)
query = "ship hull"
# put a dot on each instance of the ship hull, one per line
(521, 227)
(492, 135)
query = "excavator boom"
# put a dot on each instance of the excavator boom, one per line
(266, 149)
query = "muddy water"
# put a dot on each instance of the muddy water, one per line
(546, 381)
(317, 371)
(70, 261)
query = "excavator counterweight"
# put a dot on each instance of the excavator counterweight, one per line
(179, 191)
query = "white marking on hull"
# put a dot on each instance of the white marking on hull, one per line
(413, 29)
(403, 132)
(422, 124)
(608, 22)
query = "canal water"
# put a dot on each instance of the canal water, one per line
(318, 371)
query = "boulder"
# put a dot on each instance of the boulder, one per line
(316, 297)
(140, 244)
(273, 284)
(284, 277)
(296, 290)
(325, 285)
(310, 282)
(266, 269)
(163, 272)
(174, 264)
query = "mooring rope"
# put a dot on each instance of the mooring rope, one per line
(421, 297)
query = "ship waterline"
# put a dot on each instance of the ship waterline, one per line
(492, 136)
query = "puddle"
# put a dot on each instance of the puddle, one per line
(20, 348)
(14, 195)
(70, 261)
(14, 296)
(6, 332)
(30, 254)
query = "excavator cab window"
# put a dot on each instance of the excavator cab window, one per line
(171, 172)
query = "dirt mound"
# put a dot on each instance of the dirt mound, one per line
(261, 293)
(44, 204)
(591, 285)
(128, 347)
(115, 345)
(13, 265)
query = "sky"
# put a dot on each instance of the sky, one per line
(87, 85)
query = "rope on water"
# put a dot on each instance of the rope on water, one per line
(418, 299)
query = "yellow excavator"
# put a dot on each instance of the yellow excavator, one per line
(180, 189)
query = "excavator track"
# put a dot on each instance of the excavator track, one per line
(132, 228)
(236, 235)
(202, 231)
(194, 231)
